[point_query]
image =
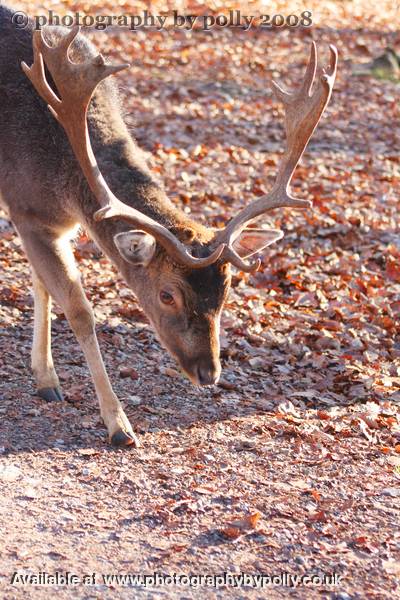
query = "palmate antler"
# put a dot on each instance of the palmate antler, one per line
(303, 110)
(76, 83)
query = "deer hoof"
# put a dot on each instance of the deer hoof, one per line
(51, 394)
(121, 439)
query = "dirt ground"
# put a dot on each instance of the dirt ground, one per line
(291, 466)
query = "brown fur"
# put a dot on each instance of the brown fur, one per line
(47, 196)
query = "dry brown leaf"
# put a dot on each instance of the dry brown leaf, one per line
(235, 529)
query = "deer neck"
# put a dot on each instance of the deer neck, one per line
(131, 181)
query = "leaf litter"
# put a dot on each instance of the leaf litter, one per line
(291, 463)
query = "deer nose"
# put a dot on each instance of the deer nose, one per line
(207, 375)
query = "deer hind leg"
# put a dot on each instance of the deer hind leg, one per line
(53, 263)
(41, 358)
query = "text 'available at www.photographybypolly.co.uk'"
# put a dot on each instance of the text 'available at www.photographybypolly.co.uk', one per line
(222, 580)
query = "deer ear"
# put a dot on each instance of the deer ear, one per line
(252, 241)
(136, 247)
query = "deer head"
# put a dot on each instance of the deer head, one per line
(183, 304)
(184, 272)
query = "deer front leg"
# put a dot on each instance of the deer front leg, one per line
(41, 358)
(80, 316)
(53, 263)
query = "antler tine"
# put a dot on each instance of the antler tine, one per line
(310, 71)
(36, 75)
(65, 42)
(330, 74)
(308, 80)
(76, 83)
(303, 110)
(231, 256)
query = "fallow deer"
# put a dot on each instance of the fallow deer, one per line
(51, 180)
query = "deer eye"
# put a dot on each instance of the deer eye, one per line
(166, 298)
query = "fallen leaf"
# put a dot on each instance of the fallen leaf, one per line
(235, 529)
